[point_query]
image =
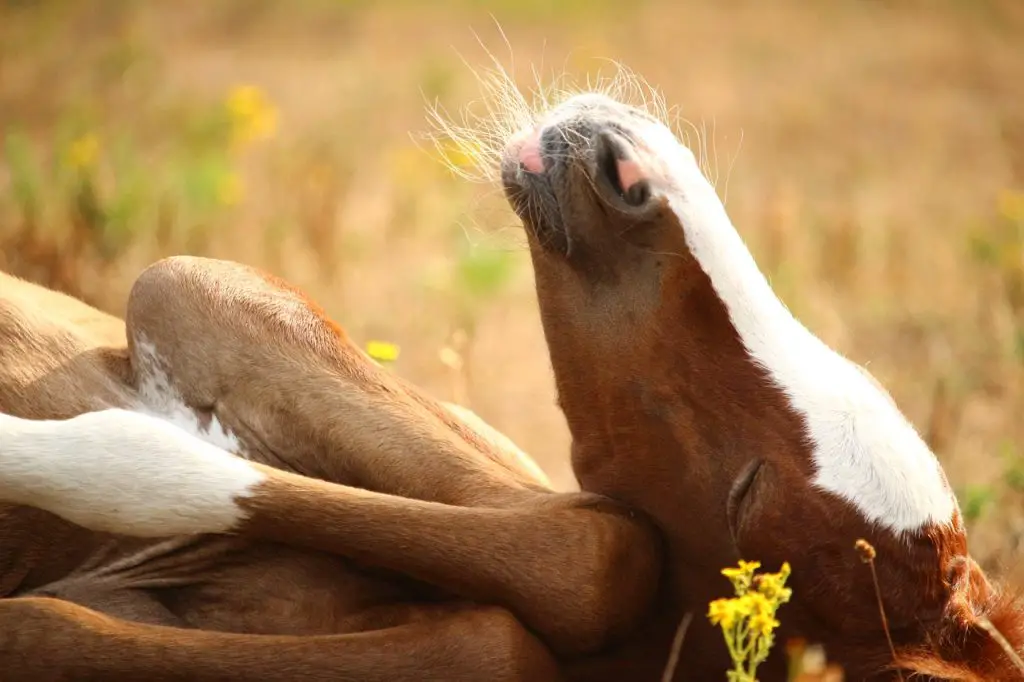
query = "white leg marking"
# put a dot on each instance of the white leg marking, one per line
(161, 400)
(123, 472)
(865, 450)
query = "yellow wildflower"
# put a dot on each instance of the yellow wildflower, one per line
(252, 114)
(724, 612)
(763, 624)
(772, 585)
(382, 351)
(754, 603)
(741, 575)
(744, 568)
(732, 573)
(83, 152)
(748, 620)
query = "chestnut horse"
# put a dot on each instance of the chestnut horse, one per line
(224, 487)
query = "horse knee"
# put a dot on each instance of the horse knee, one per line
(509, 650)
(205, 323)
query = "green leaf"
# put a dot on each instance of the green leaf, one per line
(983, 247)
(483, 272)
(1014, 472)
(202, 179)
(975, 501)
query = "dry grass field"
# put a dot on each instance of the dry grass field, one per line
(871, 153)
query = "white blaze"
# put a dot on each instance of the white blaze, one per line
(864, 449)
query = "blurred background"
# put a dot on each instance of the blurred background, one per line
(871, 153)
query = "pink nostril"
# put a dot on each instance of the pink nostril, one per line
(529, 152)
(629, 172)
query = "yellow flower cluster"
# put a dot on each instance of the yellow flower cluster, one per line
(251, 113)
(742, 575)
(753, 606)
(83, 152)
(748, 620)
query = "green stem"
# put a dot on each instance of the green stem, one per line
(730, 644)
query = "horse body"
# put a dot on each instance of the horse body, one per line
(115, 447)
(251, 495)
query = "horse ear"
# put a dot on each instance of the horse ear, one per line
(1004, 624)
(977, 642)
(994, 619)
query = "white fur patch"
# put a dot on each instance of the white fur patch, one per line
(160, 399)
(123, 472)
(865, 450)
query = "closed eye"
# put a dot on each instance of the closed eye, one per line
(738, 493)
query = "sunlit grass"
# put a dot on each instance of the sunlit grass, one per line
(84, 197)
